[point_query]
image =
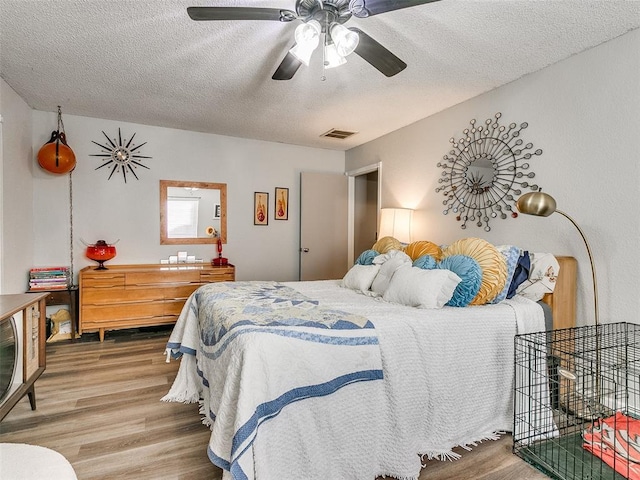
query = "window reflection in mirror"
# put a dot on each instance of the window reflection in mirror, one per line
(190, 210)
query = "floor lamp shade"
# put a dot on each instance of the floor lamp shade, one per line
(396, 223)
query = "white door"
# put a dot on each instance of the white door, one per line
(323, 226)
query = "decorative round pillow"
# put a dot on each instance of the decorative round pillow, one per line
(425, 262)
(366, 257)
(423, 247)
(491, 261)
(470, 275)
(386, 244)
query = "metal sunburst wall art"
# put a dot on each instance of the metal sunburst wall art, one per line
(121, 155)
(485, 172)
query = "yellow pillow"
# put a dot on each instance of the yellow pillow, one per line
(386, 244)
(491, 261)
(423, 247)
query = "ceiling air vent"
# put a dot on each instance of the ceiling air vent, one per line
(340, 134)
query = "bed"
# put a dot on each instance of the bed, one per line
(357, 387)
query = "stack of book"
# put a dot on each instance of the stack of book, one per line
(49, 278)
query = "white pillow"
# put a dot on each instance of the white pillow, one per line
(392, 261)
(360, 277)
(415, 287)
(542, 276)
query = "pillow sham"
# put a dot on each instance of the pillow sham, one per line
(511, 254)
(366, 257)
(470, 275)
(494, 268)
(360, 277)
(542, 277)
(420, 288)
(426, 262)
(417, 249)
(385, 244)
(521, 273)
(390, 263)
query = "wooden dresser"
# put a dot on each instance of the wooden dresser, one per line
(129, 296)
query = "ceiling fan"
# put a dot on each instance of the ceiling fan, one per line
(322, 17)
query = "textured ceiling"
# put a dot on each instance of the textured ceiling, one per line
(147, 62)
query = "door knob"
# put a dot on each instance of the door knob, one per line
(305, 250)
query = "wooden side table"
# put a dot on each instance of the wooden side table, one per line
(67, 296)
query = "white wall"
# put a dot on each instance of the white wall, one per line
(111, 210)
(16, 192)
(584, 114)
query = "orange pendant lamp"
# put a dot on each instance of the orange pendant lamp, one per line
(56, 156)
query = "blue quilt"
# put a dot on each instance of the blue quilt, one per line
(258, 347)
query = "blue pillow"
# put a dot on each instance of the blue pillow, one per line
(425, 262)
(366, 257)
(511, 255)
(520, 274)
(470, 274)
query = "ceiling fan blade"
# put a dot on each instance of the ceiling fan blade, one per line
(287, 68)
(378, 56)
(368, 8)
(240, 13)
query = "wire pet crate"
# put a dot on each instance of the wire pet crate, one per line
(577, 402)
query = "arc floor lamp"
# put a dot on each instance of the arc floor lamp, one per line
(542, 205)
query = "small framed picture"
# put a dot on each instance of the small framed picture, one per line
(260, 208)
(282, 203)
(216, 210)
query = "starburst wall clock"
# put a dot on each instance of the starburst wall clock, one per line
(485, 172)
(120, 155)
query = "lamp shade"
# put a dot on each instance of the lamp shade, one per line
(396, 223)
(536, 203)
(307, 38)
(56, 156)
(345, 40)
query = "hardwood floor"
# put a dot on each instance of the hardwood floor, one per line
(98, 405)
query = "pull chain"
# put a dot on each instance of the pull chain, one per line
(324, 60)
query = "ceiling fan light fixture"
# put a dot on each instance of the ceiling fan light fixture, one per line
(308, 33)
(332, 58)
(344, 39)
(307, 38)
(302, 53)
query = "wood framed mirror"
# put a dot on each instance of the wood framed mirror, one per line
(190, 210)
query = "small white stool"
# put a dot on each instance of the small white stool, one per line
(19, 461)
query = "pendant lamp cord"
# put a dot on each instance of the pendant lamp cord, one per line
(60, 123)
(71, 277)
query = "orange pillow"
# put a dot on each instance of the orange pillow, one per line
(491, 261)
(386, 244)
(417, 249)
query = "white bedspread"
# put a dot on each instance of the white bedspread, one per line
(448, 381)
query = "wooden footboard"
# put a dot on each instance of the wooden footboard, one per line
(563, 299)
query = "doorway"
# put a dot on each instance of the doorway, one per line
(364, 205)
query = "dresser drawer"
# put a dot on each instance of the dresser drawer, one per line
(110, 296)
(180, 292)
(162, 277)
(222, 274)
(104, 280)
(173, 307)
(120, 311)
